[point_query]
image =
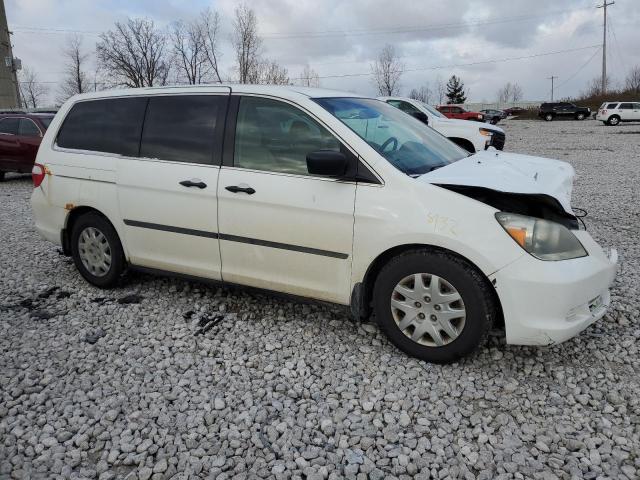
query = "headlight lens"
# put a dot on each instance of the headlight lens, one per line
(486, 132)
(543, 239)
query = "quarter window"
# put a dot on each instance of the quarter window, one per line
(110, 125)
(28, 129)
(9, 126)
(182, 128)
(276, 137)
(612, 106)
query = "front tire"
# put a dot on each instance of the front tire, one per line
(2, 174)
(433, 305)
(548, 117)
(580, 116)
(97, 251)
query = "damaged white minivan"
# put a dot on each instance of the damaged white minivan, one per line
(324, 195)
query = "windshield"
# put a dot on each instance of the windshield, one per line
(433, 111)
(46, 121)
(407, 143)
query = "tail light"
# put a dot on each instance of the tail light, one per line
(37, 174)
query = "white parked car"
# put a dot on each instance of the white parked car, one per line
(325, 195)
(612, 113)
(472, 136)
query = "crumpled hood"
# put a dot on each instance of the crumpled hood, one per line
(510, 173)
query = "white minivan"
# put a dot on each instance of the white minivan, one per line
(325, 195)
(472, 136)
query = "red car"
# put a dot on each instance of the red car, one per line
(454, 111)
(20, 137)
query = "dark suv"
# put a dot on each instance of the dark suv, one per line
(20, 137)
(549, 111)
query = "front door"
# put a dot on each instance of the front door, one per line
(281, 228)
(167, 196)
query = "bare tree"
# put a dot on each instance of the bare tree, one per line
(75, 80)
(134, 54)
(189, 51)
(274, 74)
(423, 94)
(32, 92)
(510, 92)
(594, 87)
(632, 82)
(247, 44)
(210, 27)
(441, 89)
(387, 71)
(309, 77)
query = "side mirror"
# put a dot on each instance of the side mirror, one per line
(327, 163)
(421, 116)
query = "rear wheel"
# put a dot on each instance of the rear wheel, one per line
(613, 120)
(2, 174)
(433, 305)
(548, 117)
(96, 250)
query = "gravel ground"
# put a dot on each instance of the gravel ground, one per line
(169, 379)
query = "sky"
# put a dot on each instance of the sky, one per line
(486, 43)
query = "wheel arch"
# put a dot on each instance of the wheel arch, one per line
(363, 292)
(73, 215)
(464, 143)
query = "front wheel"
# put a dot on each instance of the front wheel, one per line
(97, 251)
(548, 117)
(580, 116)
(433, 305)
(2, 174)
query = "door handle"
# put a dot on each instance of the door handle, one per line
(236, 189)
(195, 182)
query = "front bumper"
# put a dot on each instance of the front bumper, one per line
(547, 302)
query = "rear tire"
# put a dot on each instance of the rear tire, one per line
(429, 317)
(548, 117)
(613, 120)
(96, 250)
(2, 174)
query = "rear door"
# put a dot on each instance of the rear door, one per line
(626, 111)
(9, 143)
(281, 228)
(29, 136)
(167, 196)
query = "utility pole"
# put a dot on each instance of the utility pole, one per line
(551, 78)
(604, 44)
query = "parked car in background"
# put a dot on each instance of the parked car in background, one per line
(493, 116)
(612, 113)
(20, 137)
(468, 135)
(326, 195)
(513, 111)
(455, 111)
(551, 111)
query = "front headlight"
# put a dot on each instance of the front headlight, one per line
(543, 239)
(486, 132)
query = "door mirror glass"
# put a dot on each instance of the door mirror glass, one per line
(327, 163)
(421, 116)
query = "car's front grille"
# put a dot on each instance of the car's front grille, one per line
(497, 140)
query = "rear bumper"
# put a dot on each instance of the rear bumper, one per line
(49, 219)
(549, 302)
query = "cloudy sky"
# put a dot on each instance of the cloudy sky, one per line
(485, 42)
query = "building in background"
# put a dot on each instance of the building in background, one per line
(9, 92)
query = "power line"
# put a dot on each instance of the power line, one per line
(333, 33)
(579, 69)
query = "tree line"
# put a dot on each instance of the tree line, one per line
(137, 53)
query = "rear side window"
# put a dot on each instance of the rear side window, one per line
(28, 128)
(111, 125)
(626, 106)
(46, 121)
(182, 128)
(9, 126)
